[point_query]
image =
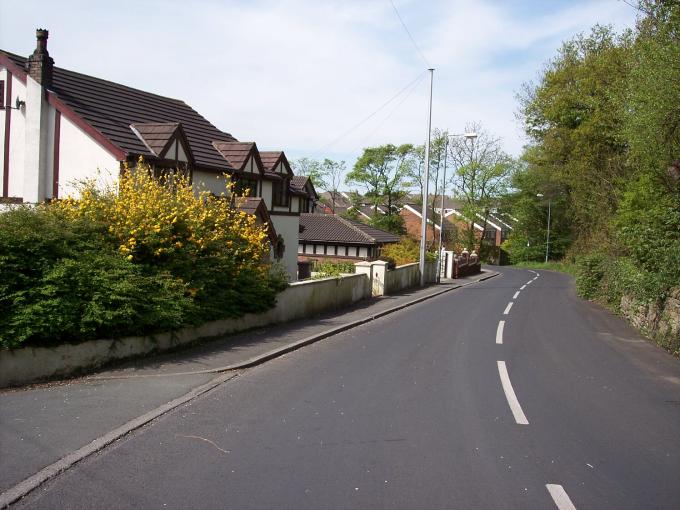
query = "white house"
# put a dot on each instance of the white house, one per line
(58, 127)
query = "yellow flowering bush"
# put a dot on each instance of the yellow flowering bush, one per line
(153, 219)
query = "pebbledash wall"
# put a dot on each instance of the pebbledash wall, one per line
(299, 300)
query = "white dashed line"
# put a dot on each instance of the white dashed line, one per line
(516, 294)
(510, 395)
(507, 308)
(499, 332)
(560, 497)
(529, 282)
(523, 287)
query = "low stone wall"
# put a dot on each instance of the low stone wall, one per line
(300, 299)
(660, 322)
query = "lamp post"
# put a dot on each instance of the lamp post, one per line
(423, 226)
(547, 237)
(468, 136)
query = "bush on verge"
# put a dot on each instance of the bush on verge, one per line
(150, 256)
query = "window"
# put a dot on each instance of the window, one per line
(280, 193)
(244, 187)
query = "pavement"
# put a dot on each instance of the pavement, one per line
(46, 428)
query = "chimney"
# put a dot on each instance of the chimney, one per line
(36, 129)
(40, 64)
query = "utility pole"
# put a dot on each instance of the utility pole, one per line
(547, 240)
(423, 226)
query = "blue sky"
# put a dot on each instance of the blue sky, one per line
(295, 74)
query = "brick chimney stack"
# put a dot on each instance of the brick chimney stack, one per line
(40, 64)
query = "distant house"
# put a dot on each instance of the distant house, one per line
(332, 237)
(59, 127)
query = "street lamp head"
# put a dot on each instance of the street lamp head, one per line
(539, 195)
(470, 136)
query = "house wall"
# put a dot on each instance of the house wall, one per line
(267, 193)
(288, 227)
(412, 223)
(311, 251)
(209, 181)
(81, 157)
(17, 138)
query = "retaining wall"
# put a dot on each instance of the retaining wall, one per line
(300, 299)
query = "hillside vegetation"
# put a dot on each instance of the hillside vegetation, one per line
(604, 127)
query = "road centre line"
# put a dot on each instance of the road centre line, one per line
(516, 294)
(499, 332)
(507, 308)
(529, 282)
(523, 287)
(516, 409)
(560, 497)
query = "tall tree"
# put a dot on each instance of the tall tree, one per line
(481, 174)
(333, 172)
(311, 168)
(382, 173)
(573, 118)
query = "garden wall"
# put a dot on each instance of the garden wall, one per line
(300, 299)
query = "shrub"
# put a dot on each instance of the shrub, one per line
(151, 256)
(332, 269)
(590, 270)
(405, 251)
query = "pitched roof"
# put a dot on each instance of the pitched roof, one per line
(303, 185)
(327, 228)
(237, 153)
(270, 159)
(111, 108)
(157, 135)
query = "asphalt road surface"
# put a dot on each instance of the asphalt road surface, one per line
(462, 401)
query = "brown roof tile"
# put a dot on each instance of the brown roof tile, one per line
(111, 108)
(327, 228)
(236, 153)
(156, 135)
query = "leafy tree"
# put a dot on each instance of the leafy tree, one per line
(311, 168)
(382, 172)
(333, 172)
(326, 175)
(652, 104)
(390, 222)
(481, 173)
(573, 118)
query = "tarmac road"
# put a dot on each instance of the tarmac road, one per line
(435, 406)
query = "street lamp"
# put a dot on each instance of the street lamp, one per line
(547, 237)
(468, 136)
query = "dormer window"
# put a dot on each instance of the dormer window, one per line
(244, 186)
(280, 193)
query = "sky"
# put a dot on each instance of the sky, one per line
(301, 76)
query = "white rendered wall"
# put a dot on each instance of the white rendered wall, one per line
(3, 113)
(17, 140)
(80, 158)
(267, 193)
(288, 227)
(210, 181)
